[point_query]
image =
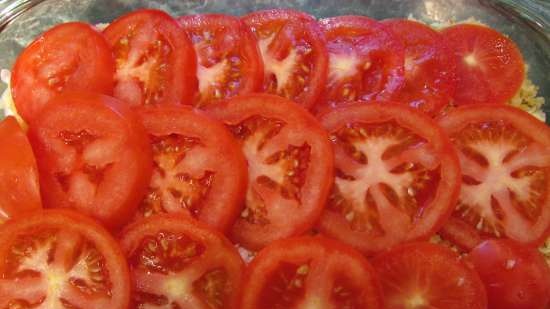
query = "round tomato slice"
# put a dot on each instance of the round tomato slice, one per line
(19, 189)
(229, 62)
(93, 155)
(155, 60)
(490, 66)
(310, 272)
(290, 165)
(397, 177)
(365, 61)
(69, 57)
(61, 259)
(505, 160)
(430, 68)
(176, 262)
(199, 168)
(424, 275)
(292, 47)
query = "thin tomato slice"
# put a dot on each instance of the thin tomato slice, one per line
(155, 60)
(69, 57)
(397, 176)
(176, 262)
(293, 50)
(229, 62)
(61, 259)
(290, 166)
(490, 66)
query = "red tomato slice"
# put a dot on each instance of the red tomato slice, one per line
(424, 275)
(69, 57)
(397, 177)
(515, 276)
(294, 55)
(199, 168)
(93, 155)
(366, 61)
(178, 263)
(505, 158)
(229, 62)
(155, 60)
(490, 66)
(430, 67)
(290, 166)
(61, 259)
(310, 272)
(19, 189)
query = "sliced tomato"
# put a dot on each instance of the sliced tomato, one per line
(397, 177)
(424, 275)
(199, 168)
(515, 276)
(176, 262)
(155, 60)
(229, 62)
(290, 165)
(490, 66)
(310, 272)
(61, 259)
(461, 234)
(365, 61)
(19, 189)
(69, 57)
(430, 67)
(93, 155)
(292, 47)
(505, 160)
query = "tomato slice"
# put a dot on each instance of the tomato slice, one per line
(61, 259)
(292, 47)
(176, 262)
(93, 155)
(61, 59)
(229, 62)
(365, 61)
(19, 189)
(490, 66)
(424, 275)
(290, 166)
(430, 67)
(505, 160)
(199, 169)
(397, 177)
(155, 60)
(310, 272)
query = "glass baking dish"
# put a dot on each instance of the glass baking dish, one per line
(527, 22)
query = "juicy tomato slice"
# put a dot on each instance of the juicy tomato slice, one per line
(199, 169)
(292, 47)
(365, 61)
(69, 57)
(430, 68)
(515, 276)
(176, 262)
(310, 272)
(397, 177)
(424, 275)
(490, 67)
(93, 155)
(505, 161)
(290, 165)
(19, 189)
(61, 259)
(229, 62)
(155, 60)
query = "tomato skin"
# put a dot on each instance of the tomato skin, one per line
(515, 276)
(19, 188)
